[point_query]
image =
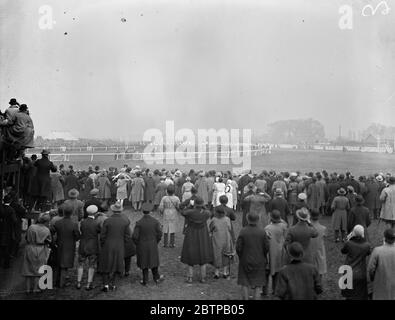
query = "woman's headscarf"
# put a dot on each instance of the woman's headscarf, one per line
(358, 231)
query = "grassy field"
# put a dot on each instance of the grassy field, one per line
(175, 288)
(281, 160)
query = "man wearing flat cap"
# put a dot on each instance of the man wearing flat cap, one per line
(88, 249)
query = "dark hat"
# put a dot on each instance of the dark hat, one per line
(295, 250)
(391, 180)
(275, 216)
(23, 107)
(252, 218)
(389, 235)
(45, 152)
(341, 191)
(223, 199)
(13, 101)
(199, 202)
(314, 214)
(171, 189)
(147, 207)
(359, 199)
(220, 210)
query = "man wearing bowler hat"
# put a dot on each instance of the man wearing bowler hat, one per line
(298, 280)
(359, 214)
(42, 180)
(146, 235)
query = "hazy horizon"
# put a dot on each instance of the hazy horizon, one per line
(202, 64)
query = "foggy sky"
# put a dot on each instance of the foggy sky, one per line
(203, 64)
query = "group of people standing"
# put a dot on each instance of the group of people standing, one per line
(280, 248)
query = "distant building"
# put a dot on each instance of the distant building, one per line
(54, 135)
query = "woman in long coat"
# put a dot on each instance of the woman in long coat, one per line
(122, 191)
(160, 191)
(197, 248)
(252, 247)
(168, 207)
(333, 186)
(202, 188)
(179, 180)
(223, 246)
(292, 194)
(149, 190)
(340, 206)
(114, 234)
(137, 192)
(276, 231)
(210, 182)
(38, 238)
(317, 244)
(218, 190)
(357, 249)
(234, 186)
(57, 188)
(104, 186)
(313, 195)
(186, 189)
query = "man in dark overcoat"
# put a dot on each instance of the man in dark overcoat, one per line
(42, 179)
(298, 280)
(147, 234)
(149, 190)
(67, 234)
(302, 232)
(88, 249)
(114, 234)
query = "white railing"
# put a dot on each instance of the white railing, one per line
(139, 156)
